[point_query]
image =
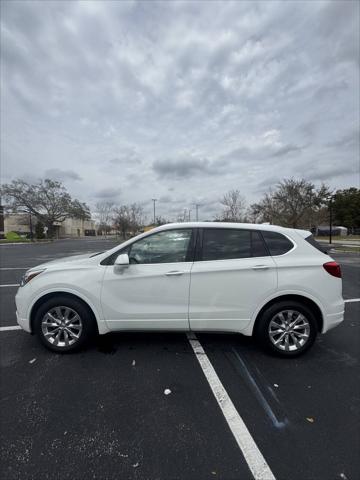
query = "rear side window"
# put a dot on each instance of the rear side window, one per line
(310, 239)
(225, 244)
(277, 243)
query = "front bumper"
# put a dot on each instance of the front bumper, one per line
(23, 322)
(22, 317)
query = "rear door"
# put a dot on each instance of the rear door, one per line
(233, 273)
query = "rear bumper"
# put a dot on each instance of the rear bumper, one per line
(333, 320)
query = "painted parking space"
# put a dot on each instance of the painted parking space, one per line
(104, 413)
(302, 412)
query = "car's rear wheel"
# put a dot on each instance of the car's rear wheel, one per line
(287, 328)
(64, 324)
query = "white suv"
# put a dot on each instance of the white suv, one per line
(271, 282)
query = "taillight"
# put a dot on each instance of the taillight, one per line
(333, 268)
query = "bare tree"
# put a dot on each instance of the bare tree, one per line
(160, 221)
(294, 203)
(128, 219)
(105, 214)
(234, 206)
(48, 201)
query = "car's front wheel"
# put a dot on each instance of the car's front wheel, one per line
(64, 324)
(287, 328)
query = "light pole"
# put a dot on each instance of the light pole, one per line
(331, 219)
(2, 229)
(197, 205)
(154, 201)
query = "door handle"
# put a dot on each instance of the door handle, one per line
(174, 273)
(260, 267)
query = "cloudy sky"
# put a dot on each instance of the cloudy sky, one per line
(181, 101)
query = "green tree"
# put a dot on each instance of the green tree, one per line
(294, 203)
(48, 201)
(346, 207)
(39, 230)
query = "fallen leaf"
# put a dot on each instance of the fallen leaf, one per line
(167, 391)
(276, 385)
(133, 363)
(33, 360)
(310, 419)
(136, 465)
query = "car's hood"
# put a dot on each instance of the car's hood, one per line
(61, 261)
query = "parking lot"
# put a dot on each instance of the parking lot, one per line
(102, 413)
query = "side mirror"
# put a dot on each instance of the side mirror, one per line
(123, 260)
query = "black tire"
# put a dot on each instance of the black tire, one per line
(83, 326)
(308, 331)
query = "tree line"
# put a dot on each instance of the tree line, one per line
(46, 203)
(291, 203)
(295, 204)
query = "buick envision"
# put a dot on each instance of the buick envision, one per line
(271, 282)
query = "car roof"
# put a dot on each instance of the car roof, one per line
(248, 226)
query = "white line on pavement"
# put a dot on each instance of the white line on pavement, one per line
(11, 327)
(254, 458)
(351, 300)
(10, 285)
(14, 268)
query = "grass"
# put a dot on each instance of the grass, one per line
(346, 249)
(348, 238)
(15, 240)
(13, 237)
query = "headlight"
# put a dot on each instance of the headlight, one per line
(29, 276)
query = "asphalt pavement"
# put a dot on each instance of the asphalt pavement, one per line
(102, 413)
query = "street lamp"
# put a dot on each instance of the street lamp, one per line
(331, 217)
(154, 201)
(197, 205)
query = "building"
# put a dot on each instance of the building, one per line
(324, 231)
(69, 228)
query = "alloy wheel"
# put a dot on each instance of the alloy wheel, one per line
(61, 326)
(289, 330)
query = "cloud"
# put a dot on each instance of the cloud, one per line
(349, 140)
(107, 193)
(151, 98)
(62, 175)
(286, 149)
(184, 167)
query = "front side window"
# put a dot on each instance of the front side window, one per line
(277, 243)
(164, 247)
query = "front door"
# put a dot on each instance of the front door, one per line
(152, 293)
(233, 276)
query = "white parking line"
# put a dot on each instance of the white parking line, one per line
(254, 458)
(14, 268)
(10, 285)
(351, 300)
(10, 327)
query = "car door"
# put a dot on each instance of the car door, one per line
(152, 292)
(233, 273)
